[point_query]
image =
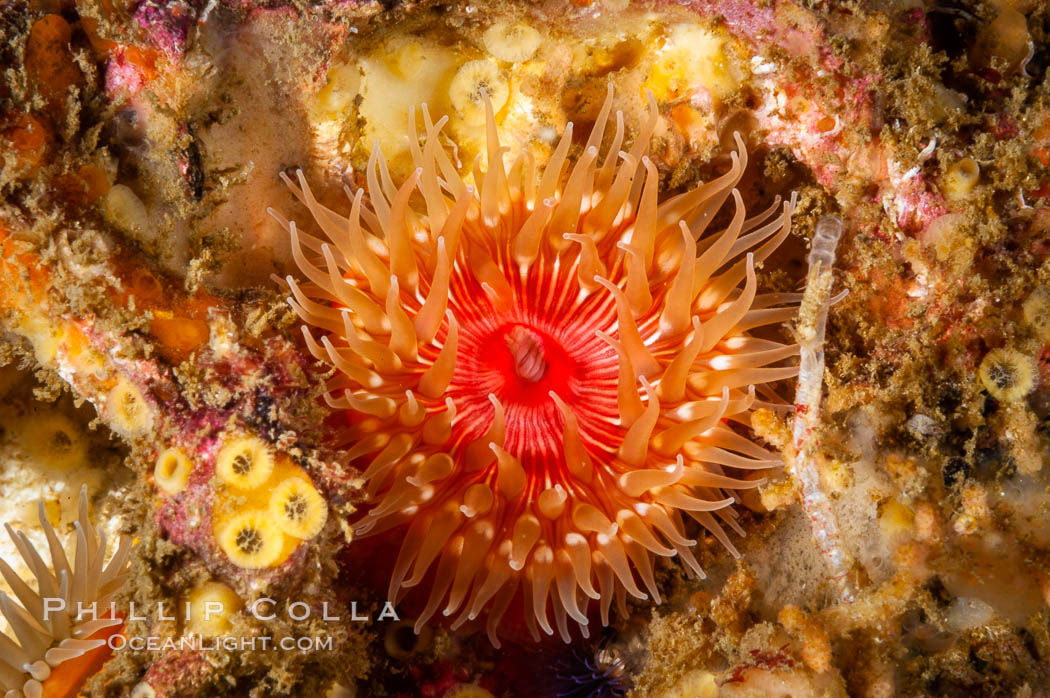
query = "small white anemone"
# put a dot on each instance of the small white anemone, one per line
(47, 631)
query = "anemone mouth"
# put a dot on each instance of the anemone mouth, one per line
(543, 368)
(541, 338)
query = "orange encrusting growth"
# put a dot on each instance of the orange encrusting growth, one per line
(48, 59)
(28, 139)
(180, 321)
(179, 325)
(84, 186)
(542, 368)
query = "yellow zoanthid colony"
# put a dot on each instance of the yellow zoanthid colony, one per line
(264, 504)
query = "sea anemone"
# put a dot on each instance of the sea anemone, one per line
(54, 648)
(587, 675)
(540, 370)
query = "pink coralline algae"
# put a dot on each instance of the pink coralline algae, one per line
(168, 23)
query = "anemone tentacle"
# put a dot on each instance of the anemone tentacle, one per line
(542, 368)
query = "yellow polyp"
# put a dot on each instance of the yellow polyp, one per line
(472, 83)
(961, 178)
(1037, 312)
(299, 510)
(127, 410)
(343, 84)
(52, 440)
(1007, 374)
(385, 92)
(512, 42)
(252, 540)
(245, 462)
(211, 606)
(172, 470)
(692, 56)
(408, 59)
(79, 352)
(44, 338)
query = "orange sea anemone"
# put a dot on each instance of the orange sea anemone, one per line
(542, 369)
